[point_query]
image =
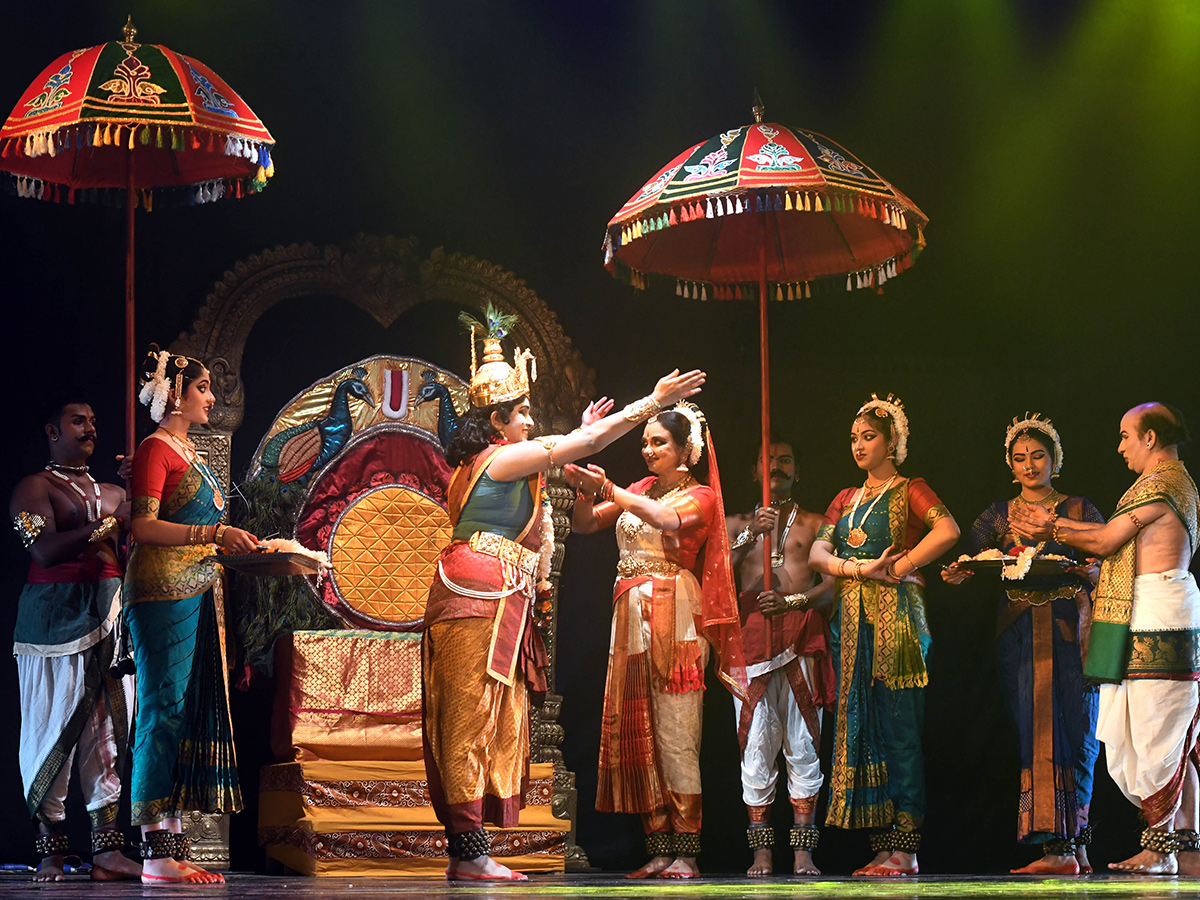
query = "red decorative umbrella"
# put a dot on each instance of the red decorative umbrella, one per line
(133, 123)
(765, 211)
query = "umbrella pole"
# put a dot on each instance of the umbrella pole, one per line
(765, 374)
(130, 381)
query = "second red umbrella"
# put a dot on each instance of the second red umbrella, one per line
(764, 211)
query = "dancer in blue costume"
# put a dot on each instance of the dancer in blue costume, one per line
(874, 540)
(183, 755)
(1042, 632)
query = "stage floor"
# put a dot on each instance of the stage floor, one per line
(262, 887)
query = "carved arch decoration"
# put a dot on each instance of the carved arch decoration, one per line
(386, 276)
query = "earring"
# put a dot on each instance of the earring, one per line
(54, 437)
(1016, 480)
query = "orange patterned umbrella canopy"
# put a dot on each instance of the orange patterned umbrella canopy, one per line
(767, 195)
(132, 124)
(104, 116)
(770, 212)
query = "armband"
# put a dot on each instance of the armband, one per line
(744, 537)
(28, 525)
(641, 410)
(549, 442)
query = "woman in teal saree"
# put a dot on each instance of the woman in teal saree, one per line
(183, 755)
(873, 542)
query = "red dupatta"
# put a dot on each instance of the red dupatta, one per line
(719, 618)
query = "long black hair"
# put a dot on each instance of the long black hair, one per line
(475, 430)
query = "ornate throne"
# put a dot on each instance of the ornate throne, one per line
(386, 278)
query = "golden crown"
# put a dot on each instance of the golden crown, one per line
(495, 381)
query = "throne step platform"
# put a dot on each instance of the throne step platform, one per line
(349, 795)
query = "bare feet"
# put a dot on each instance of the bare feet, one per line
(483, 868)
(763, 863)
(894, 864)
(113, 865)
(172, 871)
(804, 865)
(1081, 857)
(652, 868)
(683, 867)
(880, 858)
(1148, 863)
(1188, 862)
(1051, 864)
(50, 868)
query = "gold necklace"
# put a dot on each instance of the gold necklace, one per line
(654, 492)
(1050, 501)
(183, 442)
(857, 537)
(194, 459)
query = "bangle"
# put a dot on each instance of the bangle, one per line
(607, 490)
(1136, 524)
(641, 410)
(891, 572)
(858, 567)
(108, 525)
(219, 535)
(795, 601)
(581, 494)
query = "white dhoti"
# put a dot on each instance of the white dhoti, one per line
(777, 724)
(68, 701)
(1148, 724)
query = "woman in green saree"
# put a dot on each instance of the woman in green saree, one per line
(874, 540)
(183, 756)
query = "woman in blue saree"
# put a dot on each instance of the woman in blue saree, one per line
(873, 542)
(1042, 630)
(183, 756)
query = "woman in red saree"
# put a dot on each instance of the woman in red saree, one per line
(674, 601)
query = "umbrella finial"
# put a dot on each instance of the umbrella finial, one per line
(129, 30)
(758, 108)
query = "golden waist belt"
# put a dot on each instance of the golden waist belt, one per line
(633, 568)
(1041, 598)
(492, 544)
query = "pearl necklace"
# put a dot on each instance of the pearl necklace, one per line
(857, 537)
(52, 468)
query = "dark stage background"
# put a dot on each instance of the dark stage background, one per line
(1051, 145)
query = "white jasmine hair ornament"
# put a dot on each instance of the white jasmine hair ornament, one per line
(894, 408)
(695, 439)
(155, 391)
(1033, 423)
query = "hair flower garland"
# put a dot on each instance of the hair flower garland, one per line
(894, 408)
(1033, 423)
(156, 389)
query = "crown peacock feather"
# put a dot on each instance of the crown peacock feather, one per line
(495, 381)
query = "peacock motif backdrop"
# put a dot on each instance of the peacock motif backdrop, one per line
(352, 465)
